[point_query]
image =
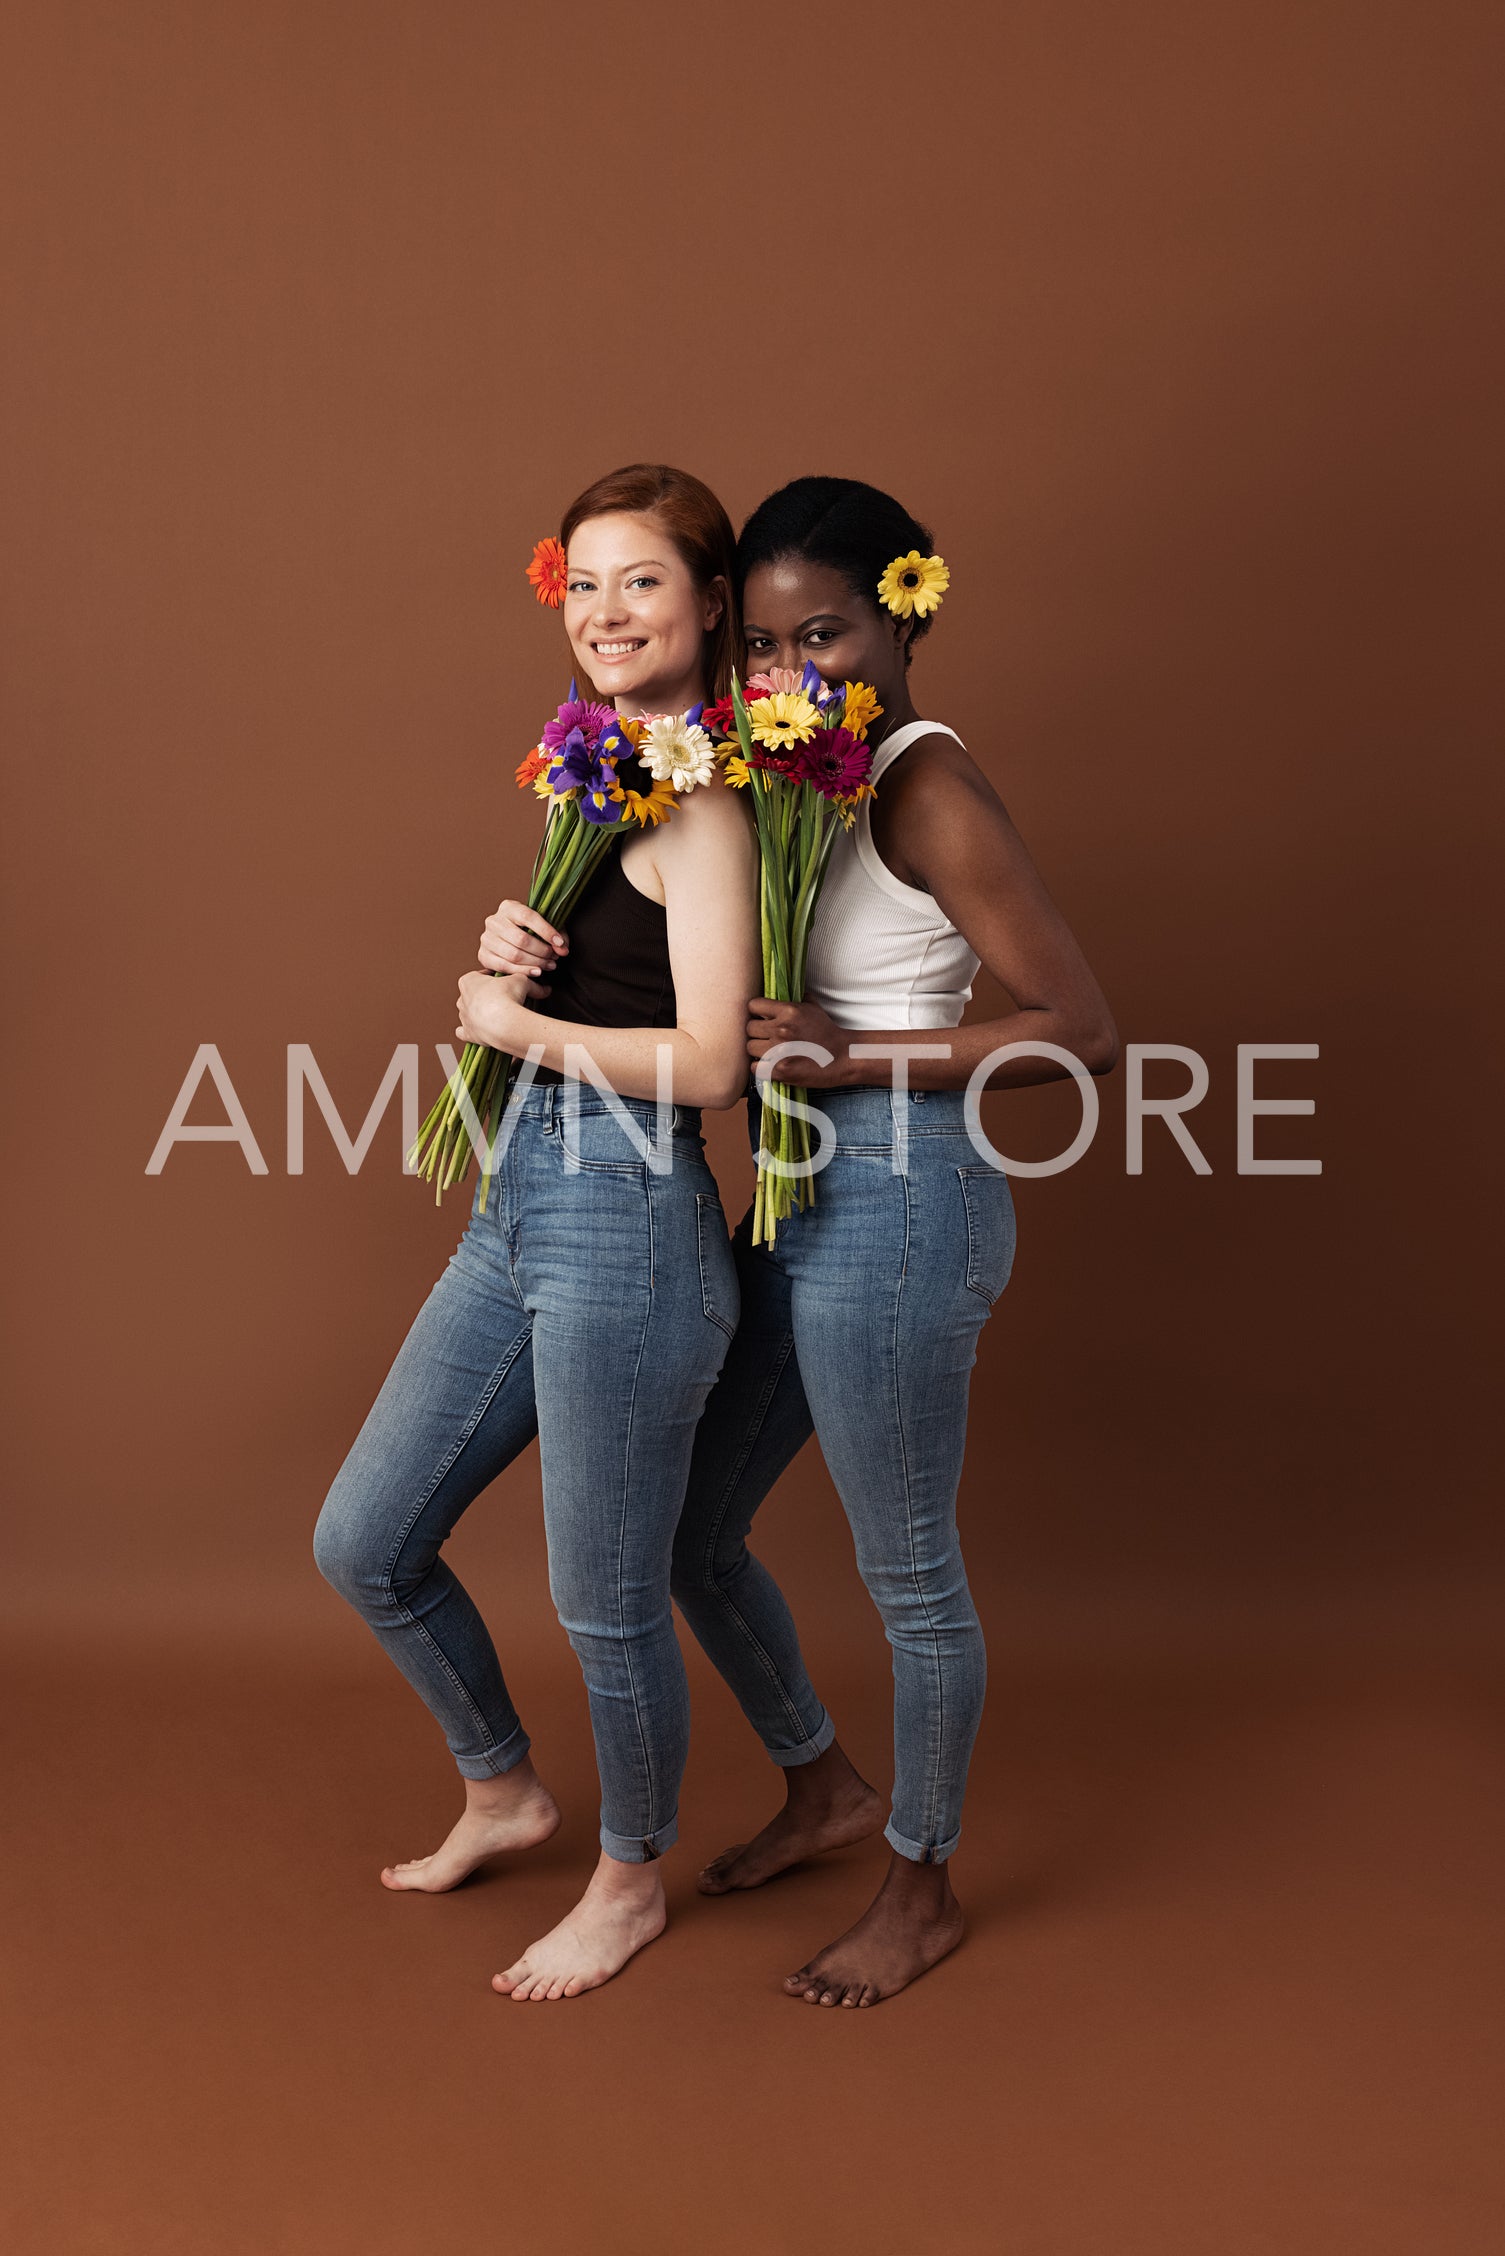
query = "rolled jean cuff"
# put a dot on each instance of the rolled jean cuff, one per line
(808, 1750)
(916, 1851)
(494, 1762)
(632, 1848)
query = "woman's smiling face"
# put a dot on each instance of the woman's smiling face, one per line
(636, 620)
(794, 610)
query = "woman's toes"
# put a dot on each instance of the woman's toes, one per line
(794, 1983)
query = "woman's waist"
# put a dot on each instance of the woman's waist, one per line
(881, 1115)
(552, 1098)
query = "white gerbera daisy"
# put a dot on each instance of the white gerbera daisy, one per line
(677, 752)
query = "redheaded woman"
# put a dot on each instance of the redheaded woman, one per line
(592, 1302)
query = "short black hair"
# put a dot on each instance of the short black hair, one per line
(857, 529)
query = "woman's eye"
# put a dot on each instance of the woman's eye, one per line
(642, 580)
(581, 587)
(821, 636)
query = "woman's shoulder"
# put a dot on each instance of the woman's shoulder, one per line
(934, 757)
(709, 819)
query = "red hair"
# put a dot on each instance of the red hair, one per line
(701, 532)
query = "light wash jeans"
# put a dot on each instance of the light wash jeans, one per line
(593, 1309)
(860, 1325)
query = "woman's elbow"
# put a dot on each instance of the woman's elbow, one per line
(1098, 1046)
(715, 1080)
(722, 1090)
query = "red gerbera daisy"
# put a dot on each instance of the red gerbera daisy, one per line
(547, 572)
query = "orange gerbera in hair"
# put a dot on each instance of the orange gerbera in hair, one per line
(547, 572)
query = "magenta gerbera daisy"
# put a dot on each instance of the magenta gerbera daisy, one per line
(834, 762)
(576, 713)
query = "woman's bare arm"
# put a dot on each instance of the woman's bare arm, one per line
(704, 861)
(945, 829)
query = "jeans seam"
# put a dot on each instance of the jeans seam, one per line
(632, 1404)
(403, 1613)
(940, 1686)
(710, 1580)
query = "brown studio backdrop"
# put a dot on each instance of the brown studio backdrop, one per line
(1170, 321)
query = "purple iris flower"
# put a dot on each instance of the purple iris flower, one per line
(580, 767)
(810, 681)
(595, 806)
(829, 693)
(576, 761)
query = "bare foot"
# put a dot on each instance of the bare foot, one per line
(829, 1806)
(909, 1926)
(621, 1910)
(515, 1811)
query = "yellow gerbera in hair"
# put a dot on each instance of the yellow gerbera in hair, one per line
(647, 807)
(914, 584)
(783, 719)
(861, 708)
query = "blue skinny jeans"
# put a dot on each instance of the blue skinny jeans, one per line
(593, 1308)
(860, 1325)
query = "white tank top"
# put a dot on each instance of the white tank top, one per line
(883, 953)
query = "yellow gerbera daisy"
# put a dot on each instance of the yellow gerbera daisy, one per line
(862, 707)
(736, 771)
(783, 719)
(647, 807)
(914, 584)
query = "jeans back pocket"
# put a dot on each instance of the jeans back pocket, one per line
(989, 1205)
(719, 1293)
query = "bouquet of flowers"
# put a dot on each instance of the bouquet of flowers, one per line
(798, 744)
(574, 768)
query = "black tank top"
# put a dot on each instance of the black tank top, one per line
(617, 972)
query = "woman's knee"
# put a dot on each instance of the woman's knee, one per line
(338, 1552)
(927, 1597)
(353, 1549)
(700, 1566)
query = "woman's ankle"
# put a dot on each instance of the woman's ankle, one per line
(638, 1882)
(505, 1788)
(924, 1885)
(830, 1779)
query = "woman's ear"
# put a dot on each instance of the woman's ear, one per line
(715, 602)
